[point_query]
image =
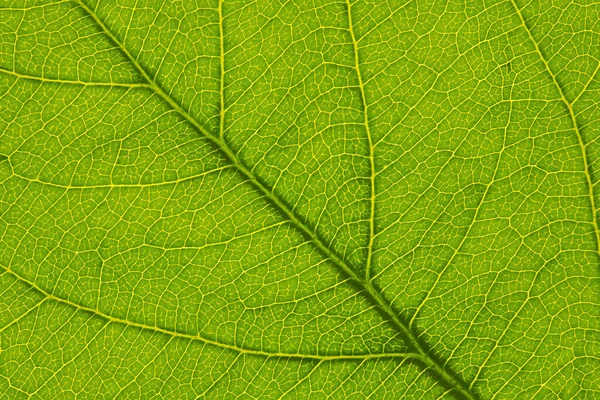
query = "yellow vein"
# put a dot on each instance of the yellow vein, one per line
(33, 7)
(68, 82)
(216, 381)
(366, 286)
(10, 385)
(150, 365)
(73, 359)
(413, 340)
(478, 209)
(363, 99)
(173, 333)
(24, 315)
(299, 382)
(586, 166)
(124, 185)
(588, 84)
(222, 72)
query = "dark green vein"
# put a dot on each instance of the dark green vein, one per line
(447, 377)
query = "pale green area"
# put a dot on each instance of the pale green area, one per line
(299, 199)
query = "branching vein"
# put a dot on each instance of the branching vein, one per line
(586, 164)
(367, 288)
(183, 335)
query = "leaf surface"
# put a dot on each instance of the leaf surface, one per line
(290, 199)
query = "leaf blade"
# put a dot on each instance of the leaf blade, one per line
(255, 238)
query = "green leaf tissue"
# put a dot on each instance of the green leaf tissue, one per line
(299, 199)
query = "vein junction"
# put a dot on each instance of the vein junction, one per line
(418, 349)
(175, 333)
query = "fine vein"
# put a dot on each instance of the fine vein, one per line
(183, 335)
(363, 99)
(420, 351)
(582, 145)
(71, 82)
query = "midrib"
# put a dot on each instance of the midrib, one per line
(447, 377)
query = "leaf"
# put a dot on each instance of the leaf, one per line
(299, 199)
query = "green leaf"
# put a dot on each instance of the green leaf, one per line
(299, 199)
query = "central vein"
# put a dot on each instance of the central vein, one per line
(443, 373)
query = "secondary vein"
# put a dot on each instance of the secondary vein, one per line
(582, 145)
(363, 99)
(418, 350)
(72, 82)
(183, 335)
(222, 78)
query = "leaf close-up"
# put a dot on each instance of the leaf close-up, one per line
(320, 199)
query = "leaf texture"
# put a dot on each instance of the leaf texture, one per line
(299, 199)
